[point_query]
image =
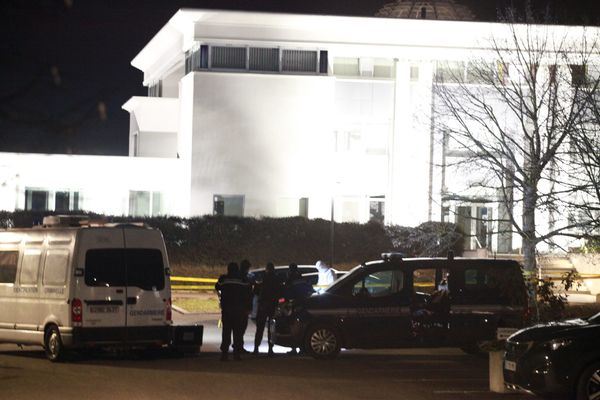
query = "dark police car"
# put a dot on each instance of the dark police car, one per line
(397, 302)
(558, 359)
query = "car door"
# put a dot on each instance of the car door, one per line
(147, 290)
(430, 306)
(378, 312)
(100, 279)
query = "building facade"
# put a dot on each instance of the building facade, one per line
(261, 114)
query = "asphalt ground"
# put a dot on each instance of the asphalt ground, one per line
(356, 374)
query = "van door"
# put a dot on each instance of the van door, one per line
(102, 288)
(148, 287)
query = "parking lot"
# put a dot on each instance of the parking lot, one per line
(356, 374)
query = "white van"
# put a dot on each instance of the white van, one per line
(72, 283)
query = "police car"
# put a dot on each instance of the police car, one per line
(399, 302)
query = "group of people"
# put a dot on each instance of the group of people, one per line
(236, 292)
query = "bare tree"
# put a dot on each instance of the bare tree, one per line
(512, 116)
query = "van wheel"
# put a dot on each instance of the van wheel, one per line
(53, 345)
(588, 385)
(322, 342)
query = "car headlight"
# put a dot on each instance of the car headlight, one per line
(557, 344)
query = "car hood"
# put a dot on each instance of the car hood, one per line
(553, 330)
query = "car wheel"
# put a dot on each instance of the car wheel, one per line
(588, 385)
(322, 342)
(53, 345)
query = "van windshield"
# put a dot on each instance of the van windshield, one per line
(141, 268)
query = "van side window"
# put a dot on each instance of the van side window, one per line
(29, 267)
(55, 267)
(8, 266)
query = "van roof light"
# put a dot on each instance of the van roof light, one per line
(392, 256)
(65, 220)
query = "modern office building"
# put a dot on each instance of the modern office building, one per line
(265, 114)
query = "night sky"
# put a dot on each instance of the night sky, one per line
(65, 69)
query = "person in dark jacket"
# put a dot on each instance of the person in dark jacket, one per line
(235, 294)
(268, 292)
(296, 289)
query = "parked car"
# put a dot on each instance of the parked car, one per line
(72, 284)
(308, 272)
(397, 302)
(557, 359)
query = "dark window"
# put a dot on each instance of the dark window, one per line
(323, 62)
(263, 59)
(495, 285)
(8, 266)
(204, 56)
(376, 211)
(36, 200)
(141, 268)
(61, 201)
(228, 57)
(423, 13)
(578, 75)
(299, 61)
(303, 207)
(379, 284)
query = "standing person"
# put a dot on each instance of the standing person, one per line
(244, 269)
(268, 295)
(296, 289)
(326, 275)
(234, 294)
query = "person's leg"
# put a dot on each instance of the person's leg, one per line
(241, 318)
(269, 318)
(261, 319)
(227, 327)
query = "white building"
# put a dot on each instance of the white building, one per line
(263, 114)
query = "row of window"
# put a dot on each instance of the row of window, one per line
(255, 59)
(465, 72)
(233, 205)
(43, 200)
(54, 271)
(470, 283)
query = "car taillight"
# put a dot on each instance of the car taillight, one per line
(76, 310)
(169, 313)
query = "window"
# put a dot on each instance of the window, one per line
(263, 59)
(303, 207)
(36, 200)
(228, 205)
(345, 66)
(143, 203)
(29, 267)
(228, 57)
(377, 209)
(383, 68)
(155, 89)
(8, 266)
(299, 61)
(141, 268)
(450, 72)
(379, 284)
(578, 75)
(323, 62)
(61, 201)
(56, 267)
(414, 73)
(424, 280)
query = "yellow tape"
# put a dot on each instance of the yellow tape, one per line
(192, 287)
(189, 279)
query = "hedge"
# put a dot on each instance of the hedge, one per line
(216, 240)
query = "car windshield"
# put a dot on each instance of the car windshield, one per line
(594, 319)
(342, 279)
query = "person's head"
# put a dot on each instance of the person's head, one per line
(232, 268)
(244, 266)
(270, 268)
(321, 266)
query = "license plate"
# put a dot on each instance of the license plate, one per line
(510, 365)
(104, 309)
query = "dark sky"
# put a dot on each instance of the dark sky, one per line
(65, 72)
